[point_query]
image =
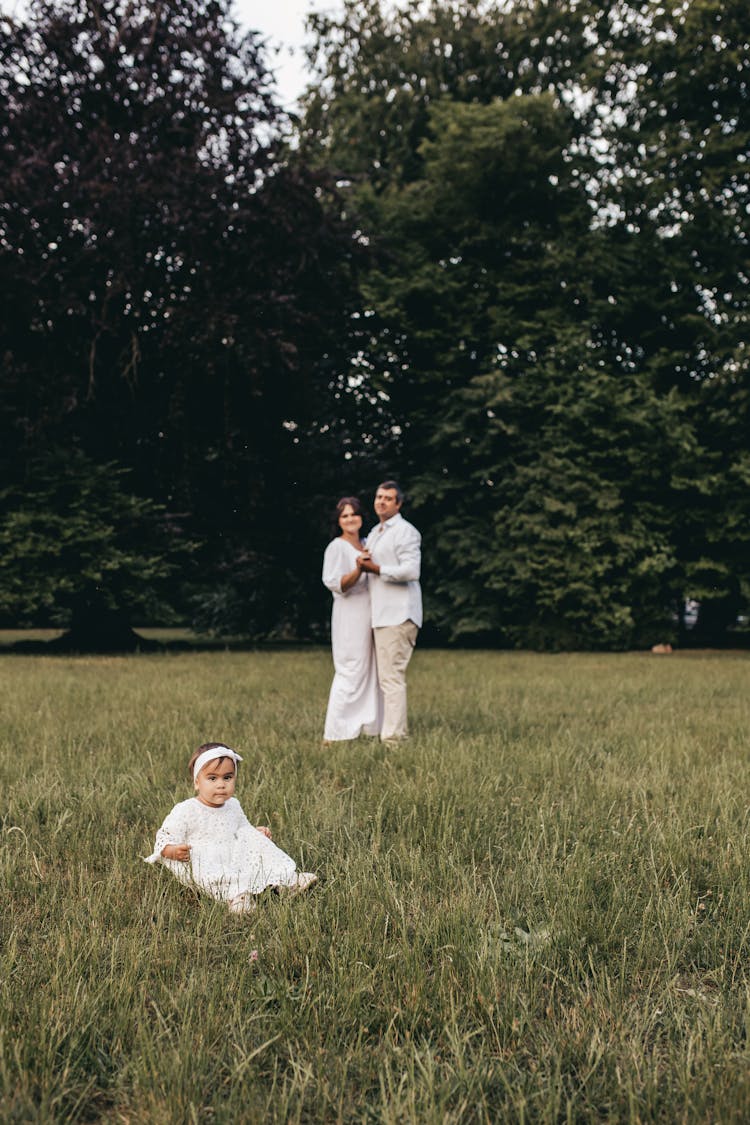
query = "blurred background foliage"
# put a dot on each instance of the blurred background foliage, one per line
(502, 254)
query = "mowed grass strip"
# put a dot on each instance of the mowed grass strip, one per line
(537, 910)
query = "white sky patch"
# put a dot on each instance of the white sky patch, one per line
(282, 24)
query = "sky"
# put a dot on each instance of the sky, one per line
(282, 22)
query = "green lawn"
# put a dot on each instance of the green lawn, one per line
(537, 910)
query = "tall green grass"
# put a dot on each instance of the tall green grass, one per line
(536, 910)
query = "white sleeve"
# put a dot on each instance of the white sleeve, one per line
(239, 812)
(334, 567)
(174, 830)
(408, 551)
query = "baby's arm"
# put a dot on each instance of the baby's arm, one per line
(171, 837)
(264, 829)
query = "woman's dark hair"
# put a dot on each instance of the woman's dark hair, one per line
(351, 500)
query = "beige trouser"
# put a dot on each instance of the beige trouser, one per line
(394, 645)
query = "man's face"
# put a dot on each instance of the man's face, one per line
(386, 503)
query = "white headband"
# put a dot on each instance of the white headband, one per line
(211, 756)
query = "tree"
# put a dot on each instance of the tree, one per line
(123, 133)
(544, 466)
(545, 345)
(178, 285)
(380, 69)
(76, 547)
(672, 84)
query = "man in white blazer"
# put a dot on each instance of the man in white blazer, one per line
(393, 561)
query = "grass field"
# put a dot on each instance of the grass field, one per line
(536, 911)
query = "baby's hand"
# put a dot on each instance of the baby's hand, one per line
(177, 851)
(265, 830)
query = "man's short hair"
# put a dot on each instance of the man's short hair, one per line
(391, 486)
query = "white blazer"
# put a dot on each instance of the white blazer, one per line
(395, 594)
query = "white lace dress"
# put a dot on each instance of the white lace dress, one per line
(228, 857)
(354, 704)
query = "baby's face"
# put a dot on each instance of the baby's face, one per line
(215, 784)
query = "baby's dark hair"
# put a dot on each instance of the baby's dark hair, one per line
(219, 757)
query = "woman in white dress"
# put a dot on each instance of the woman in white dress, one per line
(354, 705)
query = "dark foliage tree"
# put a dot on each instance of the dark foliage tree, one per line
(543, 470)
(672, 84)
(381, 68)
(76, 547)
(178, 288)
(544, 328)
(526, 294)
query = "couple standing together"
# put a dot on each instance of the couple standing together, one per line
(377, 613)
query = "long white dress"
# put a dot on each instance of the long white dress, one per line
(228, 857)
(354, 704)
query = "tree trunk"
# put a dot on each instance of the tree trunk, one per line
(97, 628)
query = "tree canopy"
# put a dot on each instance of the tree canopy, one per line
(504, 258)
(76, 545)
(553, 289)
(179, 289)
